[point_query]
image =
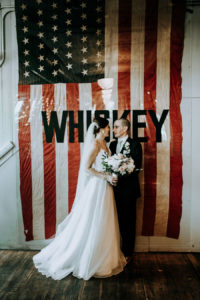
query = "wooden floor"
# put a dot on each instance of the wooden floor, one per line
(166, 276)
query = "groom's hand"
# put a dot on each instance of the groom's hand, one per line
(112, 180)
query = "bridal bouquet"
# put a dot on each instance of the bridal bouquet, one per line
(118, 164)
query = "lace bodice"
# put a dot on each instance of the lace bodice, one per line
(97, 165)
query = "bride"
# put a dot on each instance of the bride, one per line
(87, 241)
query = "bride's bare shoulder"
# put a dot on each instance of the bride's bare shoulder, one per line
(95, 146)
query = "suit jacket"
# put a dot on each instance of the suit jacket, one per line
(129, 185)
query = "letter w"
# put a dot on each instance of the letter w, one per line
(53, 124)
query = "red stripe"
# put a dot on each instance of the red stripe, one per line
(176, 181)
(97, 96)
(73, 148)
(124, 56)
(150, 62)
(49, 167)
(25, 161)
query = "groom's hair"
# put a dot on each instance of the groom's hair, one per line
(125, 122)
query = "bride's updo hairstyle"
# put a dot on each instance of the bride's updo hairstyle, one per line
(100, 123)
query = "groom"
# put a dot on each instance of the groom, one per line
(128, 188)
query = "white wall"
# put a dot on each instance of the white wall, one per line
(11, 223)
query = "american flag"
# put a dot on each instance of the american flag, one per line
(64, 47)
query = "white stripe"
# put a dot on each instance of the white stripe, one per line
(61, 157)
(111, 49)
(85, 101)
(162, 92)
(37, 162)
(137, 83)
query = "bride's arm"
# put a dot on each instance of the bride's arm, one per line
(92, 153)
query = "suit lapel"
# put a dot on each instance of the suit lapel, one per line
(128, 140)
(113, 147)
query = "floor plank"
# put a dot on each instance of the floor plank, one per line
(156, 276)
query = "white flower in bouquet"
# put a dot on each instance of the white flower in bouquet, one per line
(118, 164)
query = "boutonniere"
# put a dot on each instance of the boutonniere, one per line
(126, 149)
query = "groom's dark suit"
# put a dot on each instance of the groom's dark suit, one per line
(126, 192)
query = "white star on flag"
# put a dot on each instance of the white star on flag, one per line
(68, 32)
(84, 61)
(54, 17)
(69, 55)
(98, 54)
(26, 63)
(83, 16)
(25, 29)
(68, 44)
(40, 23)
(98, 9)
(41, 68)
(55, 50)
(84, 72)
(26, 52)
(98, 32)
(23, 6)
(54, 5)
(98, 65)
(69, 66)
(24, 18)
(39, 1)
(41, 46)
(83, 5)
(68, 22)
(83, 27)
(41, 34)
(39, 12)
(25, 41)
(26, 74)
(98, 43)
(55, 73)
(68, 11)
(84, 50)
(41, 57)
(55, 27)
(54, 62)
(54, 39)
(84, 39)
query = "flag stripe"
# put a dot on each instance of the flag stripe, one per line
(37, 162)
(49, 167)
(124, 55)
(97, 100)
(85, 101)
(61, 158)
(137, 82)
(111, 46)
(149, 103)
(176, 180)
(25, 161)
(162, 102)
(73, 148)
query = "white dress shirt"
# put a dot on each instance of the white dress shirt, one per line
(120, 143)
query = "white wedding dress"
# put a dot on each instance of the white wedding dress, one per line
(87, 242)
